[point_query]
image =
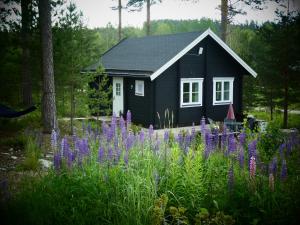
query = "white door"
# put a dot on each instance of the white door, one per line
(118, 96)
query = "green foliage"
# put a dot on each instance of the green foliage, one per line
(99, 93)
(32, 155)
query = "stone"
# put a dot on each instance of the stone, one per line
(46, 164)
(14, 157)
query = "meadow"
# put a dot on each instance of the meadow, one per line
(114, 174)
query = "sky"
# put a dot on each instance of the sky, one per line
(98, 13)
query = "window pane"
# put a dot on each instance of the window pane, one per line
(195, 97)
(118, 89)
(226, 95)
(226, 86)
(218, 96)
(195, 87)
(218, 86)
(186, 87)
(186, 97)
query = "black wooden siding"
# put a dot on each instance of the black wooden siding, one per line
(141, 107)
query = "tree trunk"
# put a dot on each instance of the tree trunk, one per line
(224, 19)
(148, 18)
(26, 69)
(286, 100)
(72, 108)
(48, 98)
(120, 19)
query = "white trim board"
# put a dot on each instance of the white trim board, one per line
(193, 44)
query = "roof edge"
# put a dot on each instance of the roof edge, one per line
(193, 44)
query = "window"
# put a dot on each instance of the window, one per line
(191, 92)
(118, 89)
(222, 90)
(139, 87)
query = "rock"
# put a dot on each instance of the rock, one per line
(14, 157)
(2, 169)
(45, 163)
(11, 149)
(4, 153)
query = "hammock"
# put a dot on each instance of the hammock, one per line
(6, 112)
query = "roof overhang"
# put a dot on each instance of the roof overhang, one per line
(210, 33)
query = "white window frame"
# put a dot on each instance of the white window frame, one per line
(190, 81)
(223, 80)
(118, 89)
(137, 83)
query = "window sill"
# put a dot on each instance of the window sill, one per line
(222, 103)
(137, 94)
(190, 105)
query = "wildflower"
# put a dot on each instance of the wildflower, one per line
(231, 143)
(166, 136)
(179, 139)
(122, 122)
(150, 131)
(241, 157)
(156, 146)
(142, 137)
(110, 154)
(193, 133)
(271, 181)
(129, 141)
(202, 126)
(224, 139)
(252, 148)
(242, 138)
(57, 161)
(230, 178)
(281, 150)
(128, 118)
(252, 167)
(208, 144)
(118, 155)
(273, 166)
(54, 140)
(101, 155)
(283, 174)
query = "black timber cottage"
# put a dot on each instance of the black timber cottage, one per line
(190, 74)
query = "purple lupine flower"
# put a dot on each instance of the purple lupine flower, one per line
(101, 154)
(150, 131)
(202, 126)
(110, 154)
(193, 132)
(208, 143)
(57, 161)
(179, 139)
(129, 141)
(224, 139)
(252, 167)
(283, 174)
(166, 136)
(271, 181)
(70, 158)
(281, 150)
(123, 133)
(104, 128)
(230, 178)
(242, 138)
(117, 155)
(54, 140)
(273, 166)
(109, 134)
(128, 118)
(142, 137)
(252, 149)
(288, 148)
(66, 147)
(215, 139)
(241, 157)
(231, 143)
(156, 146)
(122, 122)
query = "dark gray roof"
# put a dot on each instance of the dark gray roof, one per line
(146, 53)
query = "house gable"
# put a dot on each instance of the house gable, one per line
(211, 34)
